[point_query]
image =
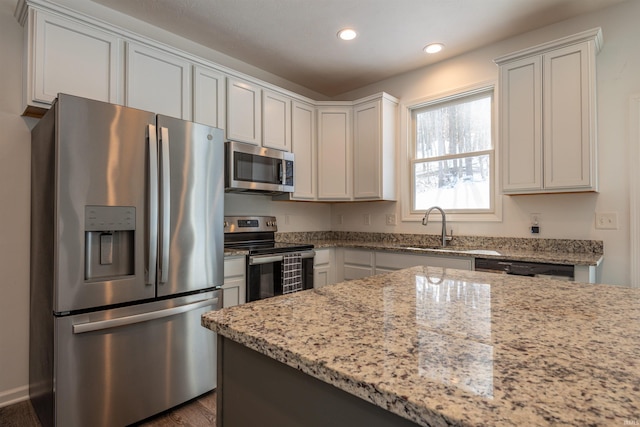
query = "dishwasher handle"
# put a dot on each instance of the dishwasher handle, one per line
(139, 318)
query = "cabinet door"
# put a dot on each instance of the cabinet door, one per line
(321, 277)
(209, 96)
(71, 58)
(367, 167)
(358, 264)
(244, 112)
(521, 125)
(568, 119)
(276, 121)
(158, 81)
(323, 268)
(303, 144)
(234, 287)
(334, 153)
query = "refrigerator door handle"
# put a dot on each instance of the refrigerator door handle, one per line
(139, 318)
(152, 250)
(165, 206)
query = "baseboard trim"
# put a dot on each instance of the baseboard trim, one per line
(13, 396)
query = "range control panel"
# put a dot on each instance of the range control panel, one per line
(247, 224)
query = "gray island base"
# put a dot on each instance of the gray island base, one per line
(255, 390)
(433, 347)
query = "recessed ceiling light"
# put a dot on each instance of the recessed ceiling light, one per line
(347, 34)
(433, 47)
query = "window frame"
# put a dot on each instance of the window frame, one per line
(408, 142)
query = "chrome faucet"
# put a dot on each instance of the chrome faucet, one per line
(425, 221)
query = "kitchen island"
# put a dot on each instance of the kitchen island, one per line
(430, 346)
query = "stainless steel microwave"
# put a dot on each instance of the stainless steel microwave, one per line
(253, 169)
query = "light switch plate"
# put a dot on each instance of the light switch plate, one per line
(607, 220)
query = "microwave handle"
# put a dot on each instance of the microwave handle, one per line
(283, 172)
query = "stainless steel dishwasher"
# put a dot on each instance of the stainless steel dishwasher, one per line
(523, 268)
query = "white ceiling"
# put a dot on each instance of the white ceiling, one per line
(296, 39)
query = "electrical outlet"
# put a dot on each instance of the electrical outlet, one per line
(367, 219)
(535, 219)
(607, 220)
(391, 219)
(340, 219)
(535, 223)
(287, 220)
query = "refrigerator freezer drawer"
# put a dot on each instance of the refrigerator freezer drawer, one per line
(120, 366)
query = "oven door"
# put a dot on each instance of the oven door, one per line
(251, 168)
(264, 275)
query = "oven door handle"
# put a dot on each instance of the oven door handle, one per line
(269, 259)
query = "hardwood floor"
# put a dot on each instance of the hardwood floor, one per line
(199, 412)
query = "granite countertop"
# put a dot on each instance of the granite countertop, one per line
(510, 253)
(555, 251)
(451, 347)
(516, 254)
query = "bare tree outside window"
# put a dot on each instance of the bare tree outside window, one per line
(453, 154)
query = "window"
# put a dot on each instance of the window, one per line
(453, 155)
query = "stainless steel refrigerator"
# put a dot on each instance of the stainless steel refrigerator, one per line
(126, 254)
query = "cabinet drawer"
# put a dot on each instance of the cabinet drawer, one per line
(358, 257)
(354, 272)
(234, 267)
(322, 257)
(397, 261)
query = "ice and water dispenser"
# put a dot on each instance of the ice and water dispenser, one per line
(109, 241)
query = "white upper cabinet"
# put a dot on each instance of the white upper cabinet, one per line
(521, 88)
(244, 111)
(335, 149)
(158, 81)
(209, 96)
(548, 119)
(66, 56)
(303, 137)
(374, 159)
(568, 107)
(276, 121)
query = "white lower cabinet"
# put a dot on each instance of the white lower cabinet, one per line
(235, 281)
(391, 261)
(358, 263)
(324, 267)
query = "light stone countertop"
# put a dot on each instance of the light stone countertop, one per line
(505, 253)
(555, 251)
(451, 347)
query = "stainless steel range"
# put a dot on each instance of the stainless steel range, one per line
(273, 268)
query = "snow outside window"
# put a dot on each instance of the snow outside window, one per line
(453, 154)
